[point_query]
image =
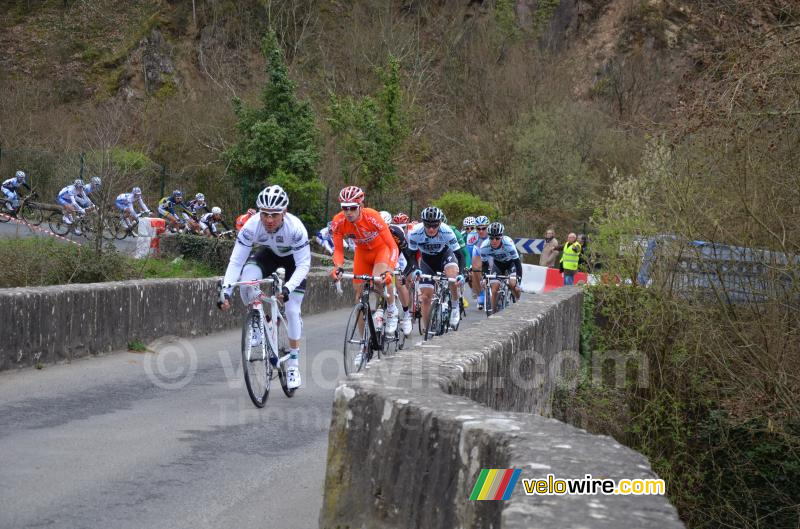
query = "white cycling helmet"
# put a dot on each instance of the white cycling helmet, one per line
(136, 191)
(386, 216)
(200, 197)
(96, 182)
(20, 175)
(273, 198)
(216, 211)
(469, 222)
(482, 220)
(78, 183)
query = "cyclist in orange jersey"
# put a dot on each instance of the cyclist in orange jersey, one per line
(376, 250)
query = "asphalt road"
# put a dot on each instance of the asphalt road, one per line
(132, 440)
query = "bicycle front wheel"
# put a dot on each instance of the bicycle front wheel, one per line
(356, 342)
(255, 363)
(434, 321)
(487, 300)
(57, 224)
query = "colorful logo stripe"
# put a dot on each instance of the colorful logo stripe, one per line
(495, 484)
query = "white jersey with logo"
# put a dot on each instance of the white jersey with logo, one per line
(504, 253)
(444, 238)
(291, 238)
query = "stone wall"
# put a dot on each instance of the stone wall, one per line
(406, 445)
(62, 322)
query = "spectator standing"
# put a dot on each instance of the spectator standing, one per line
(550, 250)
(569, 259)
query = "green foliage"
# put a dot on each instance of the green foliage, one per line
(544, 13)
(129, 160)
(370, 132)
(277, 141)
(506, 18)
(41, 262)
(137, 346)
(177, 267)
(458, 204)
(213, 254)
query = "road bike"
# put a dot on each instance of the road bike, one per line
(505, 295)
(441, 305)
(27, 210)
(363, 339)
(263, 359)
(88, 225)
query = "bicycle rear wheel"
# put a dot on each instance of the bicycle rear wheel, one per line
(356, 342)
(283, 350)
(5, 213)
(255, 362)
(32, 215)
(501, 300)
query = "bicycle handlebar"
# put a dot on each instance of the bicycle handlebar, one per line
(437, 277)
(277, 275)
(498, 276)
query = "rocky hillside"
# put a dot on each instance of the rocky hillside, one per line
(547, 96)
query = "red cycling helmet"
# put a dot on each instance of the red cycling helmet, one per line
(351, 196)
(400, 218)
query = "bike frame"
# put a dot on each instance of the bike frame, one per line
(504, 288)
(441, 293)
(268, 321)
(364, 302)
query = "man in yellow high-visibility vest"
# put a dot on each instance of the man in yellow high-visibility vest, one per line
(569, 259)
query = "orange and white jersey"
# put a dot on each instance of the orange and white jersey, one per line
(369, 232)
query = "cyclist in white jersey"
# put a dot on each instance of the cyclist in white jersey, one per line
(283, 242)
(67, 199)
(125, 204)
(92, 189)
(481, 227)
(500, 251)
(439, 252)
(10, 187)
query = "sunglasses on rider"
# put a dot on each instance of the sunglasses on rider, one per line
(349, 208)
(271, 214)
(469, 228)
(432, 224)
(496, 237)
(482, 228)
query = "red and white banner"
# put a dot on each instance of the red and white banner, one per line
(149, 231)
(538, 279)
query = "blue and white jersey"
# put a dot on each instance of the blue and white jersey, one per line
(88, 189)
(444, 238)
(504, 253)
(126, 200)
(68, 194)
(12, 184)
(476, 244)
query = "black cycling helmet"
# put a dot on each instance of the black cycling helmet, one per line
(432, 215)
(496, 229)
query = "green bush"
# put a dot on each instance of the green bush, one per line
(40, 262)
(458, 204)
(212, 253)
